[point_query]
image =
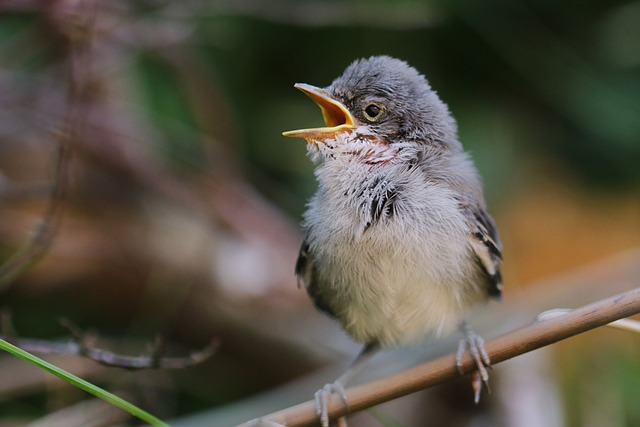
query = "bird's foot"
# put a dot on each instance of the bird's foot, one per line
(322, 397)
(475, 345)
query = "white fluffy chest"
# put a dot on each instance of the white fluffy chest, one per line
(402, 276)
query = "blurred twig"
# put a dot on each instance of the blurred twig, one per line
(82, 346)
(37, 247)
(78, 32)
(93, 412)
(520, 341)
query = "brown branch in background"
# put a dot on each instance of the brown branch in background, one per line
(78, 35)
(82, 345)
(41, 241)
(94, 412)
(515, 343)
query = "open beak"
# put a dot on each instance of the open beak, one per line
(336, 116)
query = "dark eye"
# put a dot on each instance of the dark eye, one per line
(372, 111)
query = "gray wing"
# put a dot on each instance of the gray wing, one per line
(486, 245)
(307, 275)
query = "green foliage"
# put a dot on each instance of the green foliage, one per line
(82, 384)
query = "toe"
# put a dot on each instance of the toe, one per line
(322, 397)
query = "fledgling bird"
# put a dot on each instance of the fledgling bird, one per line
(398, 243)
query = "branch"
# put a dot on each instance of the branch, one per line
(80, 83)
(81, 346)
(515, 343)
(41, 241)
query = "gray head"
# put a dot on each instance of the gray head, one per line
(394, 100)
(385, 99)
(378, 108)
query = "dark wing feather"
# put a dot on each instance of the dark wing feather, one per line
(307, 274)
(486, 244)
(303, 264)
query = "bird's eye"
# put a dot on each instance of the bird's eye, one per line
(372, 112)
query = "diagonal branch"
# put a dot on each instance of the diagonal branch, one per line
(515, 343)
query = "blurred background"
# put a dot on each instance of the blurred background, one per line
(145, 190)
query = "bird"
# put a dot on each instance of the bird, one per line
(398, 244)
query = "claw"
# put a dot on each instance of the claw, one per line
(475, 345)
(462, 346)
(337, 387)
(476, 385)
(322, 397)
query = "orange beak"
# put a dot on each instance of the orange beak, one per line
(336, 116)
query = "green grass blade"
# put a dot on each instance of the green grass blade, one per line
(82, 384)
